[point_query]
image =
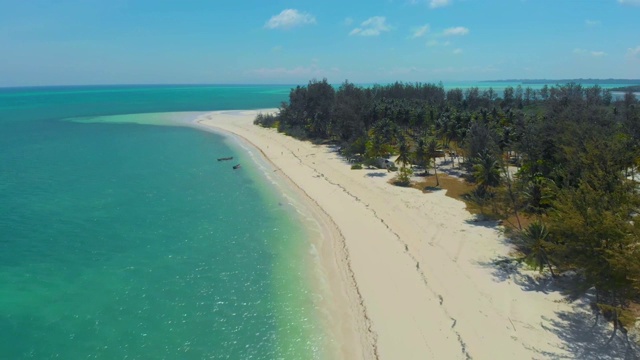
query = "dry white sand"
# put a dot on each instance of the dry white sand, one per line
(416, 274)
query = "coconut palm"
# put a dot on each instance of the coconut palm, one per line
(432, 153)
(534, 243)
(486, 170)
(404, 153)
(421, 155)
(539, 194)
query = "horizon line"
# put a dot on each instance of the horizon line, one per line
(304, 83)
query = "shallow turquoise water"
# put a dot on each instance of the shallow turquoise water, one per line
(132, 241)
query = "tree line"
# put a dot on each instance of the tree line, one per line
(563, 157)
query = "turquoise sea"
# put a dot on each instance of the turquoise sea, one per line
(125, 240)
(129, 241)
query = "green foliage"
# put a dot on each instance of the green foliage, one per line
(575, 146)
(539, 194)
(486, 170)
(376, 147)
(404, 153)
(594, 227)
(370, 162)
(421, 155)
(296, 132)
(480, 139)
(432, 153)
(356, 167)
(534, 243)
(266, 120)
(404, 177)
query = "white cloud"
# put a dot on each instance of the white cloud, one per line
(434, 4)
(629, 2)
(456, 31)
(373, 26)
(432, 43)
(290, 18)
(592, 23)
(420, 31)
(634, 52)
(593, 53)
(457, 51)
(439, 3)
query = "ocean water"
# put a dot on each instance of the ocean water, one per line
(130, 241)
(122, 239)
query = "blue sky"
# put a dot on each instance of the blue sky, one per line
(277, 41)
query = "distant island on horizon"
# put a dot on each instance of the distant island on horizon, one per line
(632, 88)
(577, 81)
(626, 84)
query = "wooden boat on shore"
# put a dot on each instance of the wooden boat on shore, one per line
(225, 158)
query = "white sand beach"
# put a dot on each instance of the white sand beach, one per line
(416, 271)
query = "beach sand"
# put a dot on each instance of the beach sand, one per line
(412, 274)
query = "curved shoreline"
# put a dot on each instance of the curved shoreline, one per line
(345, 296)
(421, 267)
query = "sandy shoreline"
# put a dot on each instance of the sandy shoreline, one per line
(413, 273)
(343, 317)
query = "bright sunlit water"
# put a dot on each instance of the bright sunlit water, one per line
(131, 241)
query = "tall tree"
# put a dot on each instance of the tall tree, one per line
(421, 155)
(534, 242)
(404, 152)
(486, 170)
(432, 153)
(594, 223)
(319, 108)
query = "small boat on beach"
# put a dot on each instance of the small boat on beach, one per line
(225, 158)
(236, 167)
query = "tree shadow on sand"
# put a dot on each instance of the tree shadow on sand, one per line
(586, 336)
(484, 221)
(432, 188)
(460, 173)
(582, 332)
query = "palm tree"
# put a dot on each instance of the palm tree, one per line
(486, 170)
(421, 155)
(539, 194)
(432, 153)
(404, 153)
(534, 243)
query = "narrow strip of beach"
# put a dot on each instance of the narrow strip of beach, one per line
(412, 271)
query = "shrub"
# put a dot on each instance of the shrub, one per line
(404, 178)
(356, 167)
(293, 131)
(266, 120)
